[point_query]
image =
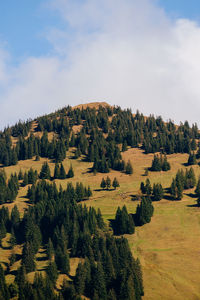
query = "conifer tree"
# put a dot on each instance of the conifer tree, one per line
(192, 159)
(50, 250)
(56, 171)
(129, 168)
(62, 172)
(108, 183)
(158, 192)
(52, 272)
(197, 190)
(80, 278)
(70, 173)
(45, 171)
(115, 183)
(28, 257)
(103, 183)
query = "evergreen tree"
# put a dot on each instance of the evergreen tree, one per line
(56, 171)
(108, 183)
(129, 168)
(158, 192)
(192, 159)
(103, 183)
(50, 250)
(62, 260)
(62, 172)
(52, 272)
(115, 183)
(80, 278)
(45, 171)
(28, 257)
(70, 173)
(197, 190)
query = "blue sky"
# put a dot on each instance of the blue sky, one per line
(23, 24)
(142, 54)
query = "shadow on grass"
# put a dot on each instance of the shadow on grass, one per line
(192, 205)
(169, 198)
(42, 258)
(191, 195)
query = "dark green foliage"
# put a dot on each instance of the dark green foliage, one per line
(45, 171)
(115, 183)
(62, 260)
(70, 173)
(144, 211)
(80, 278)
(129, 168)
(28, 257)
(62, 172)
(4, 292)
(50, 250)
(52, 272)
(160, 163)
(123, 222)
(8, 190)
(146, 187)
(103, 183)
(108, 183)
(56, 171)
(192, 159)
(182, 181)
(197, 190)
(158, 192)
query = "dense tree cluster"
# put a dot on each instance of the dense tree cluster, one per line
(144, 211)
(156, 193)
(183, 180)
(160, 163)
(69, 230)
(123, 222)
(192, 159)
(106, 183)
(8, 189)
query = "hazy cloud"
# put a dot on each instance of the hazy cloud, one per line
(125, 52)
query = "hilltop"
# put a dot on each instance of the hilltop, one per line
(99, 140)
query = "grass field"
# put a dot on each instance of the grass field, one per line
(168, 247)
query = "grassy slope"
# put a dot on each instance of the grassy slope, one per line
(168, 247)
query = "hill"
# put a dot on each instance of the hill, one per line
(98, 140)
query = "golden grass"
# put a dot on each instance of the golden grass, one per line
(168, 247)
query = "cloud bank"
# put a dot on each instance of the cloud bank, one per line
(125, 52)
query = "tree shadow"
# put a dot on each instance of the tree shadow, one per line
(169, 198)
(191, 195)
(43, 258)
(192, 205)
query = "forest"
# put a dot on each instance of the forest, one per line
(58, 217)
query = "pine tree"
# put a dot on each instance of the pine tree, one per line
(28, 257)
(156, 164)
(108, 183)
(62, 172)
(56, 171)
(103, 183)
(173, 189)
(115, 183)
(70, 173)
(50, 250)
(45, 171)
(197, 190)
(192, 159)
(80, 278)
(158, 192)
(52, 272)
(129, 168)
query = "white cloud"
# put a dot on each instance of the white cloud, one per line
(125, 52)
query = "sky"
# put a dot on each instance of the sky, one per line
(139, 54)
